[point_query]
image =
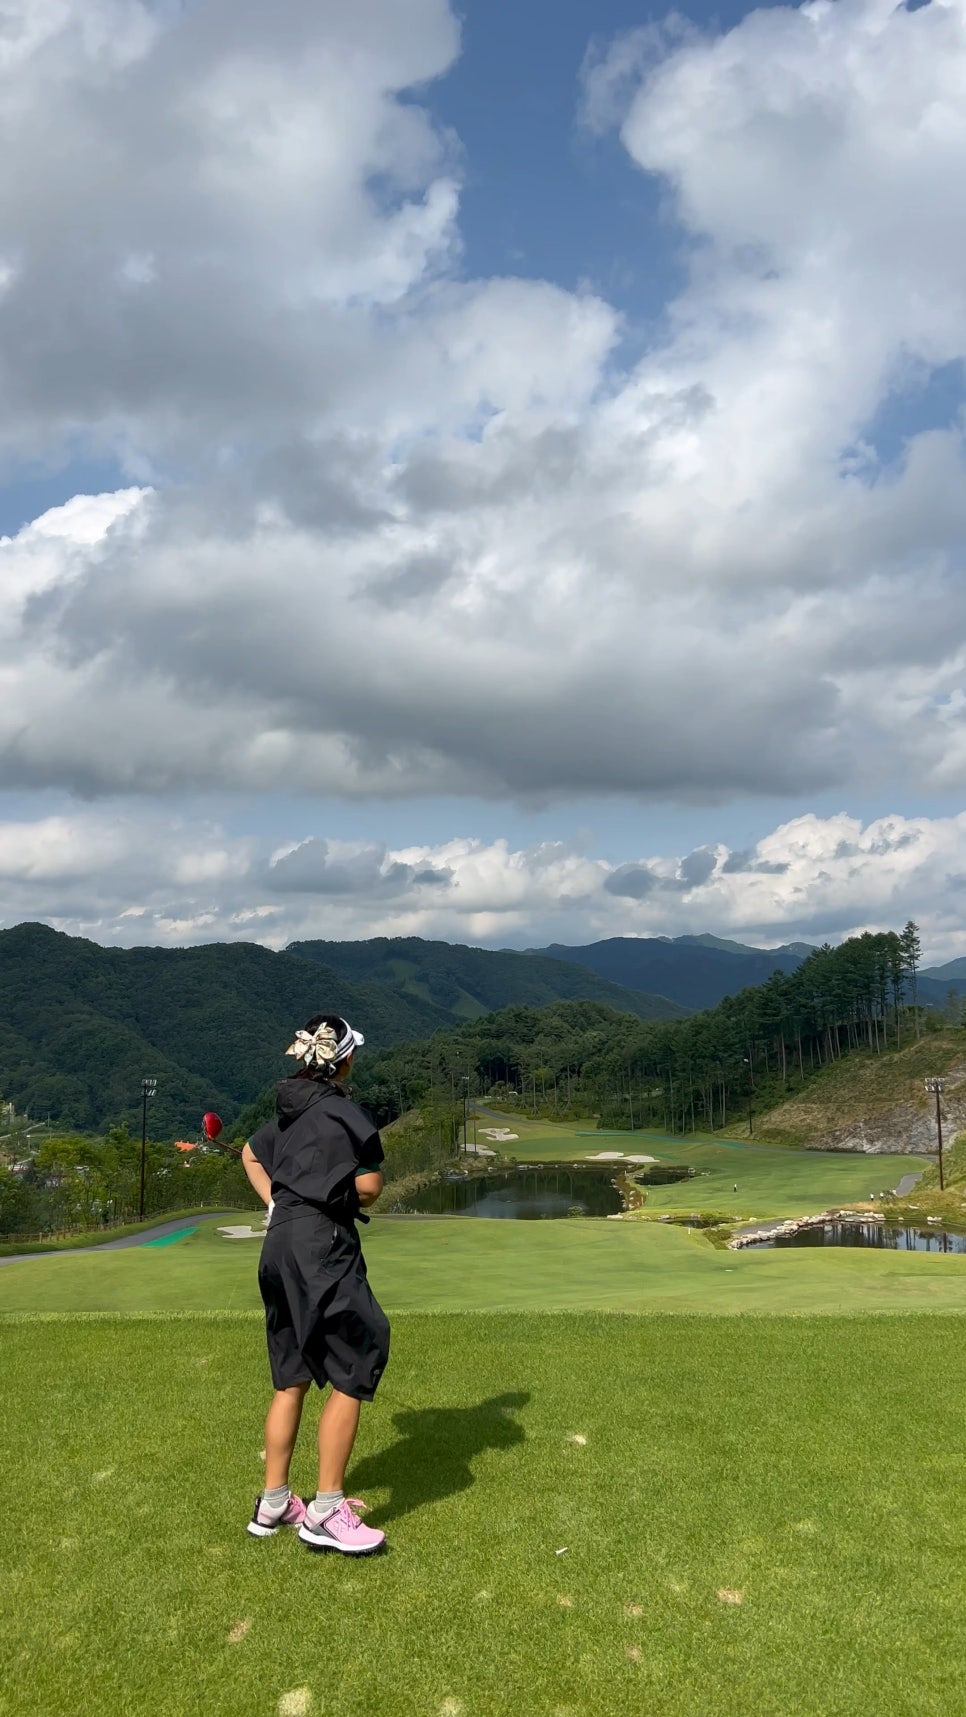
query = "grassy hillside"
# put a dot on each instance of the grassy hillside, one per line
(876, 1102)
(81, 1024)
(469, 982)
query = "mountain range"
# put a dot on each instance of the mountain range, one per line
(467, 982)
(80, 1024)
(935, 983)
(694, 971)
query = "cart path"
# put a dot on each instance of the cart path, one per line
(142, 1239)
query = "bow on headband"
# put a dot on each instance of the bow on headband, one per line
(325, 1046)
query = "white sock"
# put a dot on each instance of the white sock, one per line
(277, 1500)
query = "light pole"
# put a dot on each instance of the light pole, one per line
(466, 1093)
(751, 1086)
(937, 1087)
(148, 1088)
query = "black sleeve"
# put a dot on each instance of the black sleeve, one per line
(262, 1146)
(370, 1154)
(366, 1143)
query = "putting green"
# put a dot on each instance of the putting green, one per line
(454, 1264)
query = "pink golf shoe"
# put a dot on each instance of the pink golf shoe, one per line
(340, 1530)
(266, 1521)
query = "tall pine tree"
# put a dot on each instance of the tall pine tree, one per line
(911, 956)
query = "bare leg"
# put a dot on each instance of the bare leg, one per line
(337, 1433)
(281, 1430)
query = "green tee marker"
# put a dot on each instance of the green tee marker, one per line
(169, 1239)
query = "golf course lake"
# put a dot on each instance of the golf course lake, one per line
(527, 1193)
(880, 1235)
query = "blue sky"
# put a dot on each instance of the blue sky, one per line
(542, 197)
(648, 432)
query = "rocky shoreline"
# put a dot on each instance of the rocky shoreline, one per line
(797, 1224)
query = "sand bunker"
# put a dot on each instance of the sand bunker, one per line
(618, 1157)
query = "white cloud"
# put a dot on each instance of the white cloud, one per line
(427, 535)
(143, 878)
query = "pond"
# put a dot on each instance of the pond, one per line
(876, 1234)
(521, 1193)
(663, 1174)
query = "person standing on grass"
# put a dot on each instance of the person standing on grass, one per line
(316, 1166)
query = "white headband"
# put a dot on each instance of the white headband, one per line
(325, 1046)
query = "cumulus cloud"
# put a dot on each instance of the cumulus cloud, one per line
(390, 531)
(134, 879)
(341, 868)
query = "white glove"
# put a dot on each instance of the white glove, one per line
(271, 1207)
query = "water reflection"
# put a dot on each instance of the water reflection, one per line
(875, 1234)
(663, 1174)
(525, 1194)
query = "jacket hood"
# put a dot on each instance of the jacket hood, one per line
(294, 1096)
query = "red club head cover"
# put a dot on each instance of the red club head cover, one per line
(211, 1124)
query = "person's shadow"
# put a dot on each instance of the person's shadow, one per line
(432, 1456)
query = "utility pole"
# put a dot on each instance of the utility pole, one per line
(751, 1087)
(148, 1088)
(937, 1087)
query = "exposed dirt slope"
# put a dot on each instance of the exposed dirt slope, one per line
(877, 1103)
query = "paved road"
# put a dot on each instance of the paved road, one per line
(908, 1182)
(140, 1239)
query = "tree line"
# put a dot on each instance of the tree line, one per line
(74, 1183)
(571, 1060)
(577, 1059)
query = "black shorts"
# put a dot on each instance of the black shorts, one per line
(322, 1320)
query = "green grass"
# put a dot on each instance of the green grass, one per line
(809, 1461)
(815, 1467)
(466, 1265)
(96, 1236)
(556, 1141)
(772, 1181)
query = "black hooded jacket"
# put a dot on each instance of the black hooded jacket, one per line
(317, 1144)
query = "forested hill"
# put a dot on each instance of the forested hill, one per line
(695, 971)
(80, 1025)
(753, 1051)
(469, 982)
